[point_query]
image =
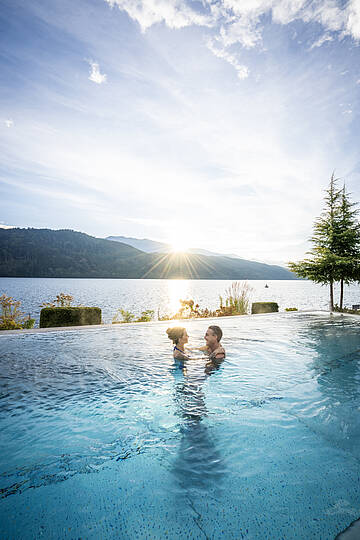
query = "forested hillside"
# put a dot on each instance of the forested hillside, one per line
(63, 253)
(66, 253)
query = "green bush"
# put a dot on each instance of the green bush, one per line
(126, 317)
(291, 309)
(51, 317)
(9, 324)
(11, 318)
(28, 324)
(146, 316)
(264, 307)
(236, 300)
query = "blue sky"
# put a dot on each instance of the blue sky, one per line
(213, 124)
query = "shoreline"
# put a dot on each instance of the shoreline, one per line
(108, 326)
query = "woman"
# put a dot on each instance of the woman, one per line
(179, 337)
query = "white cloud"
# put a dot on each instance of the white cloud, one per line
(353, 21)
(241, 69)
(240, 21)
(3, 226)
(9, 123)
(95, 74)
(322, 39)
(174, 13)
(244, 31)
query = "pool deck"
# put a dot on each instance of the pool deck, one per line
(121, 325)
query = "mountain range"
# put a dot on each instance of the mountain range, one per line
(152, 246)
(66, 253)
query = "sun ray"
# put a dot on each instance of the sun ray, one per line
(191, 266)
(155, 265)
(180, 265)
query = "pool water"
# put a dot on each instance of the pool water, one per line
(104, 436)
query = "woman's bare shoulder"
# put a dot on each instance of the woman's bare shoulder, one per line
(178, 355)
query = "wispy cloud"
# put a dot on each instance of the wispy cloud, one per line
(322, 39)
(241, 22)
(95, 75)
(9, 123)
(3, 226)
(221, 52)
(353, 19)
(177, 128)
(174, 13)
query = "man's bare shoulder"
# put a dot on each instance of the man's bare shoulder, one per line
(218, 353)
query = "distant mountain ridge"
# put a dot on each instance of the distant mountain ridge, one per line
(144, 244)
(67, 253)
(152, 246)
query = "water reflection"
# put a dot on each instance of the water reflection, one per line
(330, 409)
(198, 465)
(177, 289)
(336, 360)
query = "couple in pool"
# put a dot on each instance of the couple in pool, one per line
(212, 349)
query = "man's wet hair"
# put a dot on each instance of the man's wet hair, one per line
(217, 331)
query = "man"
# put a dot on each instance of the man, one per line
(213, 347)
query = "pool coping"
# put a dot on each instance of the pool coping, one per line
(170, 321)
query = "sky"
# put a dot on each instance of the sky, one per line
(213, 124)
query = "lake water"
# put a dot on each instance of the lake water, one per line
(163, 296)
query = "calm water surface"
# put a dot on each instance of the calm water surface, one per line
(162, 296)
(104, 436)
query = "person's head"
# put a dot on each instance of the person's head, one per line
(178, 335)
(213, 336)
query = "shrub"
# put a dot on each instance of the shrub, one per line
(264, 307)
(236, 300)
(146, 316)
(127, 316)
(11, 318)
(236, 303)
(9, 324)
(51, 317)
(291, 309)
(28, 324)
(61, 300)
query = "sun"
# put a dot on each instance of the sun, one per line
(178, 247)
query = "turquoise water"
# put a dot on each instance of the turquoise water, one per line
(104, 436)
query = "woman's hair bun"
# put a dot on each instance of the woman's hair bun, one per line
(175, 333)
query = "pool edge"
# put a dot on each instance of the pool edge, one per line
(121, 325)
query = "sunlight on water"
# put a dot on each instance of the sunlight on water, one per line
(178, 289)
(161, 295)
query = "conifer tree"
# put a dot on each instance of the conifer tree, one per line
(323, 265)
(347, 243)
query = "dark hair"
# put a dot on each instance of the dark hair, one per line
(175, 333)
(217, 331)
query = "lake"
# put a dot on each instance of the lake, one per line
(163, 296)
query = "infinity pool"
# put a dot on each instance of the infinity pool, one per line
(103, 436)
